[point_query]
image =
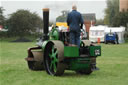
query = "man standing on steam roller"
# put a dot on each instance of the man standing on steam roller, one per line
(75, 23)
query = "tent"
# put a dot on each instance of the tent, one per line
(119, 30)
(96, 32)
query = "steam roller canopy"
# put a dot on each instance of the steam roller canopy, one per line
(53, 55)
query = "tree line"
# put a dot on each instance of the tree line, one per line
(113, 17)
(23, 22)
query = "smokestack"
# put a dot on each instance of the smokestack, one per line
(46, 23)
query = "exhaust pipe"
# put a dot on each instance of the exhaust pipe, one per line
(46, 23)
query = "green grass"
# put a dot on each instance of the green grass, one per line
(113, 66)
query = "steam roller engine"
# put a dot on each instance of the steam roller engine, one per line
(54, 54)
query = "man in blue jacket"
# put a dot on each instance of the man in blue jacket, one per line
(75, 23)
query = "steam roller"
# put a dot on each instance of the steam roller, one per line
(54, 54)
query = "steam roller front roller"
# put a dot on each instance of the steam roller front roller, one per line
(53, 57)
(35, 58)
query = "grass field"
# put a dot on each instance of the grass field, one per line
(113, 66)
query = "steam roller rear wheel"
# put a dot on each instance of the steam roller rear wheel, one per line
(54, 54)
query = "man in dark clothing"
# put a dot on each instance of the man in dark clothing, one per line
(75, 23)
(116, 38)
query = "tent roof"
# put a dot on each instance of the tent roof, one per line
(100, 27)
(107, 29)
(115, 29)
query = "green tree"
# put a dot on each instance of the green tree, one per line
(23, 22)
(124, 19)
(112, 15)
(120, 19)
(100, 22)
(2, 18)
(111, 11)
(63, 17)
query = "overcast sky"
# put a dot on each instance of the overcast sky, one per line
(87, 6)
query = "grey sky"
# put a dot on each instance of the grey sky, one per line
(56, 7)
